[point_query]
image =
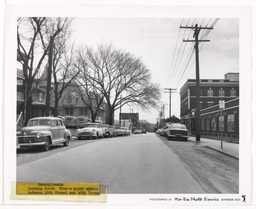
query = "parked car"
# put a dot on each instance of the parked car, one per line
(137, 131)
(177, 131)
(163, 130)
(113, 130)
(80, 121)
(120, 132)
(126, 131)
(44, 132)
(107, 130)
(90, 131)
(70, 121)
(144, 131)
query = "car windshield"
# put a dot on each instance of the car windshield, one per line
(39, 122)
(178, 126)
(91, 125)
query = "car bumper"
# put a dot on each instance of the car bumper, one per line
(31, 144)
(178, 136)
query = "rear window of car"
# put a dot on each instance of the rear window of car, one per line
(91, 125)
(39, 122)
(179, 126)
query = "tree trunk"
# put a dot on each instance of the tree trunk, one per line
(28, 102)
(56, 101)
(111, 116)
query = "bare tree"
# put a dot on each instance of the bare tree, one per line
(33, 39)
(90, 96)
(120, 77)
(63, 72)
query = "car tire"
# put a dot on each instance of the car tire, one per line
(46, 147)
(66, 143)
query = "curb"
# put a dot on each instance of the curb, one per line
(223, 152)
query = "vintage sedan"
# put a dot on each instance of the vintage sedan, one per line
(90, 131)
(44, 132)
(177, 131)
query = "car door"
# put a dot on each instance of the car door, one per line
(55, 131)
(61, 129)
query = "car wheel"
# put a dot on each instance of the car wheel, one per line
(47, 144)
(66, 143)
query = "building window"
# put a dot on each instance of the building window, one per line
(209, 92)
(40, 97)
(214, 123)
(69, 111)
(232, 92)
(208, 123)
(202, 124)
(221, 123)
(231, 123)
(221, 92)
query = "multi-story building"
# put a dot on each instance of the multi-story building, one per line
(71, 104)
(211, 92)
(38, 94)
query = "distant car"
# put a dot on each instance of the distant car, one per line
(44, 132)
(81, 120)
(137, 131)
(70, 121)
(144, 131)
(108, 131)
(126, 131)
(177, 131)
(90, 131)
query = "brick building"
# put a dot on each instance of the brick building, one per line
(211, 92)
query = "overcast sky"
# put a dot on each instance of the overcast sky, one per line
(158, 42)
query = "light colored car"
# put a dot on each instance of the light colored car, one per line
(90, 131)
(137, 131)
(44, 132)
(126, 131)
(81, 120)
(108, 130)
(177, 131)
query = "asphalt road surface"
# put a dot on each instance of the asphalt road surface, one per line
(135, 164)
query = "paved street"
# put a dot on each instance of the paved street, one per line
(133, 164)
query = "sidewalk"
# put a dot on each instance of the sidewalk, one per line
(230, 149)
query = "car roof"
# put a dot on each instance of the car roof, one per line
(51, 118)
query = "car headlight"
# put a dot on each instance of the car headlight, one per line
(93, 131)
(38, 135)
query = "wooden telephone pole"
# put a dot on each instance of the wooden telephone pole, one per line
(196, 30)
(170, 99)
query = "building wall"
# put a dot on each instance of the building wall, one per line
(211, 118)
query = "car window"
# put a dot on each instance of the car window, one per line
(180, 126)
(54, 123)
(60, 123)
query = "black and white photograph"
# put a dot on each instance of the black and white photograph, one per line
(151, 102)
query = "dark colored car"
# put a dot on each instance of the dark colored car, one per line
(177, 131)
(144, 131)
(44, 132)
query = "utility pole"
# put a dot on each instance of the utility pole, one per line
(196, 30)
(49, 78)
(170, 99)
